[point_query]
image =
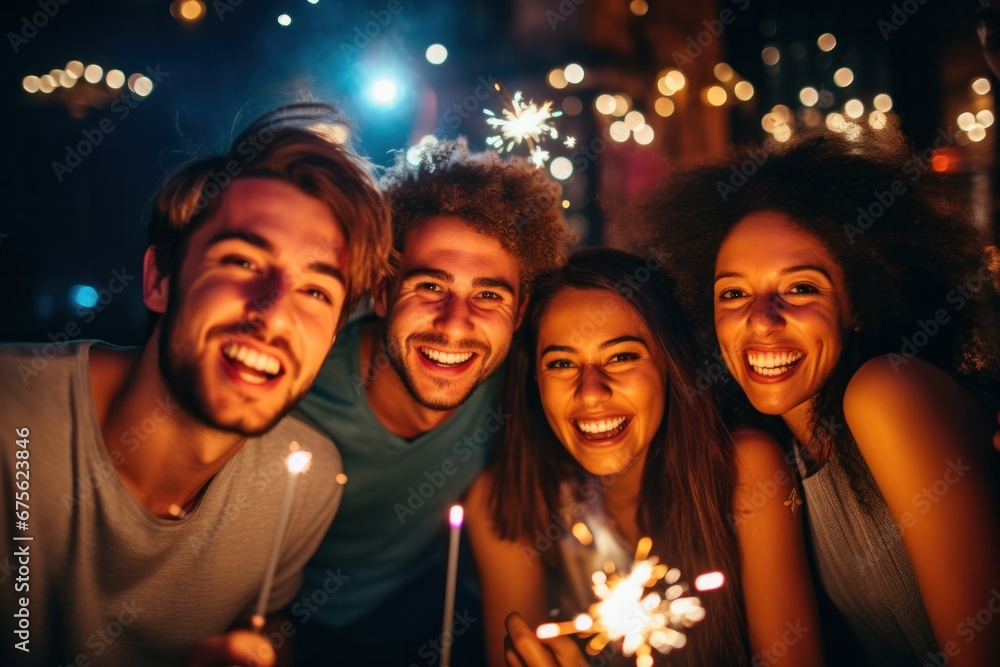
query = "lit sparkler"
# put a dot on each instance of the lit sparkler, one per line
(646, 608)
(297, 463)
(521, 122)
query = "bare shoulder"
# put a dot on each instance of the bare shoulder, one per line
(758, 453)
(883, 377)
(886, 395)
(477, 498)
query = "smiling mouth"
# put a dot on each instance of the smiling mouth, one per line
(251, 365)
(445, 359)
(772, 364)
(601, 429)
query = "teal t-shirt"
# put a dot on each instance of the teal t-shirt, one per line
(392, 517)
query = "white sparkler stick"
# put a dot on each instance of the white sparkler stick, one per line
(447, 636)
(297, 462)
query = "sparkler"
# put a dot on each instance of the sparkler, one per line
(455, 518)
(645, 608)
(297, 462)
(521, 122)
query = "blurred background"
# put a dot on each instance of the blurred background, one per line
(101, 99)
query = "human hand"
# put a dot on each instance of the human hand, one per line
(241, 648)
(522, 648)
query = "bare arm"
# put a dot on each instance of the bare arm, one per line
(928, 447)
(511, 574)
(777, 589)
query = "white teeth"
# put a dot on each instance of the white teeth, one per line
(446, 358)
(773, 363)
(600, 426)
(251, 358)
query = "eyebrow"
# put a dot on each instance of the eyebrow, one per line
(603, 346)
(791, 269)
(257, 241)
(445, 277)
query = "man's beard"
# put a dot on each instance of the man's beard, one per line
(180, 372)
(395, 347)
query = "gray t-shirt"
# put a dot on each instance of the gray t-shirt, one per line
(104, 582)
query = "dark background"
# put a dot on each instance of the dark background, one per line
(78, 228)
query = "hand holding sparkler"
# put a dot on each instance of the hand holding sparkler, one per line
(645, 608)
(524, 649)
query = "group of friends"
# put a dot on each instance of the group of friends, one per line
(757, 387)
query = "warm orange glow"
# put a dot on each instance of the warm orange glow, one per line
(716, 96)
(192, 10)
(940, 163)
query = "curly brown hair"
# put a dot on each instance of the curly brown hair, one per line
(901, 235)
(512, 201)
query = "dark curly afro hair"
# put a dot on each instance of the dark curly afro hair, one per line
(900, 232)
(512, 201)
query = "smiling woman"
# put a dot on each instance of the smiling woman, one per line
(608, 444)
(840, 294)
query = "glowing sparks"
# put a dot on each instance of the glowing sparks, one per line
(645, 608)
(530, 122)
(539, 156)
(522, 121)
(570, 142)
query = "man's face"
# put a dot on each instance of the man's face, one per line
(252, 311)
(450, 311)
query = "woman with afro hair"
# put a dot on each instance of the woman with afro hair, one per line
(849, 296)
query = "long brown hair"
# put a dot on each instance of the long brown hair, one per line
(689, 473)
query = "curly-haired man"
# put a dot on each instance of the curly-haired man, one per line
(415, 417)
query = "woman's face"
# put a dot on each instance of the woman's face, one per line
(781, 312)
(601, 380)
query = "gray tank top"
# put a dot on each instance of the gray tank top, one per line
(865, 569)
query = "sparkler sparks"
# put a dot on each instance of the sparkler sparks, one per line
(645, 608)
(522, 122)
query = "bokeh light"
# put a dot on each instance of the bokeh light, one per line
(436, 54)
